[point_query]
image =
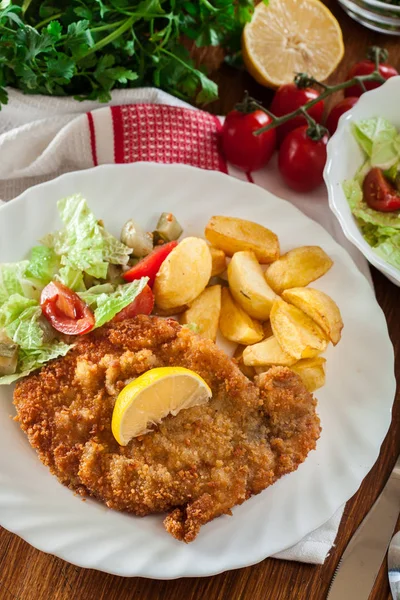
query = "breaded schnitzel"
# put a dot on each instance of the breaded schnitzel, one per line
(198, 464)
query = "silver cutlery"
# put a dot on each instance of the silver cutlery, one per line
(359, 565)
(394, 566)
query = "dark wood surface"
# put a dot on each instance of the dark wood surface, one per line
(27, 574)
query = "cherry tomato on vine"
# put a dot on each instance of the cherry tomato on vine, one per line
(239, 144)
(288, 98)
(302, 160)
(64, 309)
(379, 193)
(337, 111)
(366, 67)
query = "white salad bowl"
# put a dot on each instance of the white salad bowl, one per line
(345, 157)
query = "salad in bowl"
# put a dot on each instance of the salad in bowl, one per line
(362, 175)
(373, 193)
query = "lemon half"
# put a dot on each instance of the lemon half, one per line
(291, 36)
(154, 395)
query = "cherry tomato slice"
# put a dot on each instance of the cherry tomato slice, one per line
(379, 194)
(64, 309)
(302, 160)
(150, 264)
(289, 98)
(366, 67)
(240, 146)
(337, 111)
(141, 305)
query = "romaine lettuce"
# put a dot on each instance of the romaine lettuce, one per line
(13, 280)
(107, 301)
(43, 265)
(381, 230)
(31, 359)
(380, 141)
(83, 244)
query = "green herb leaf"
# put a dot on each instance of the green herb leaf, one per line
(61, 68)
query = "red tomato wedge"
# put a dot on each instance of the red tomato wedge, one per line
(150, 265)
(65, 311)
(141, 305)
(379, 194)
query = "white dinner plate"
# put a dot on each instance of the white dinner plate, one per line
(354, 406)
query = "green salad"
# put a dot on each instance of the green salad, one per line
(85, 258)
(380, 142)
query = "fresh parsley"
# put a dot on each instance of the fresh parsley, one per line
(87, 48)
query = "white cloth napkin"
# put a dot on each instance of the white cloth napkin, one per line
(42, 137)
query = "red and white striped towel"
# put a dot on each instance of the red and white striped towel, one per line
(42, 137)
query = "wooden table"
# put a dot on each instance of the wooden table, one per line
(27, 574)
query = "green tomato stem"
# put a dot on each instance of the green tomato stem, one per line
(328, 91)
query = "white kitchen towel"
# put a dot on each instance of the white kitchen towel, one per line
(42, 137)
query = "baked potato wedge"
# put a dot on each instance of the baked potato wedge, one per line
(296, 333)
(297, 268)
(231, 235)
(267, 329)
(218, 259)
(320, 307)
(266, 353)
(204, 312)
(238, 357)
(169, 312)
(311, 371)
(184, 274)
(235, 324)
(248, 286)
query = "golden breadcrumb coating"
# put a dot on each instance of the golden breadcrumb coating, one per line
(198, 464)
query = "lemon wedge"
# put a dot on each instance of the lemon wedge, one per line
(291, 36)
(154, 395)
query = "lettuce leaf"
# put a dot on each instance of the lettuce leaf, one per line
(362, 211)
(13, 280)
(380, 141)
(43, 265)
(21, 319)
(31, 359)
(381, 230)
(91, 296)
(83, 244)
(72, 278)
(107, 301)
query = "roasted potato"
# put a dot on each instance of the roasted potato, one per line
(184, 274)
(311, 371)
(248, 286)
(235, 324)
(238, 357)
(169, 312)
(298, 268)
(218, 261)
(296, 333)
(268, 352)
(205, 311)
(267, 329)
(233, 235)
(320, 307)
